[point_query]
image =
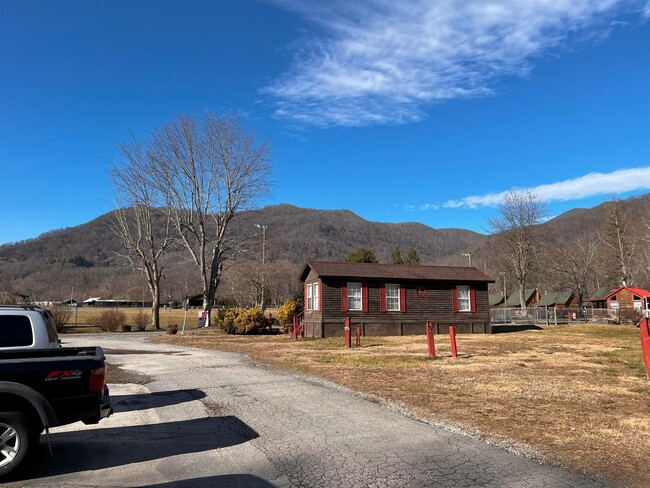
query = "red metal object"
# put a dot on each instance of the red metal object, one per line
(452, 339)
(295, 328)
(358, 337)
(431, 346)
(644, 325)
(348, 333)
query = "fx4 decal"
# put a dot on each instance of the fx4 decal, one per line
(72, 374)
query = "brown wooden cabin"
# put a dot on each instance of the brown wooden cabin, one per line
(393, 299)
(531, 295)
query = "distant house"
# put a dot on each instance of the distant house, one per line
(623, 298)
(496, 300)
(388, 299)
(531, 295)
(558, 299)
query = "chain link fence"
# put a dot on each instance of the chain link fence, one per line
(552, 316)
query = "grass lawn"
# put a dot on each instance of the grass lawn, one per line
(576, 394)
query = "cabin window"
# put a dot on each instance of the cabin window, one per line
(637, 303)
(312, 296)
(354, 296)
(392, 297)
(464, 302)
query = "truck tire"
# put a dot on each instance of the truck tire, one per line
(15, 440)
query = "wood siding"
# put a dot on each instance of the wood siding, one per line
(435, 306)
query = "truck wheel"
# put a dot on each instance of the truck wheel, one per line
(14, 440)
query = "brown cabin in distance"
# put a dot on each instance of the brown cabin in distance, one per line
(393, 299)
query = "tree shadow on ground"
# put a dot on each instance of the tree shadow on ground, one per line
(500, 329)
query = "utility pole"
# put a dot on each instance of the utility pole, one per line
(75, 308)
(263, 227)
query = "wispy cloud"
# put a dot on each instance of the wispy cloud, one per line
(593, 184)
(384, 61)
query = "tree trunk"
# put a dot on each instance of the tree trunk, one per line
(522, 298)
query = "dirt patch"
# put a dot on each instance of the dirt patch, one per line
(117, 375)
(578, 394)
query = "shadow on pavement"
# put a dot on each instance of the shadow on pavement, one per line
(144, 401)
(499, 329)
(106, 448)
(228, 480)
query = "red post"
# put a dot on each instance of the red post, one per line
(431, 346)
(302, 332)
(348, 333)
(295, 328)
(452, 339)
(358, 337)
(644, 325)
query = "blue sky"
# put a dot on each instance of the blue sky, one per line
(398, 111)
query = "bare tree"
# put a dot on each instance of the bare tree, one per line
(620, 241)
(515, 229)
(141, 219)
(574, 263)
(210, 169)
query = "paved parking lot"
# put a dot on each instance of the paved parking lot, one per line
(209, 418)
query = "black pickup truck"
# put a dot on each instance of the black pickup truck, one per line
(43, 388)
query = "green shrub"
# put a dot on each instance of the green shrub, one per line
(240, 320)
(109, 320)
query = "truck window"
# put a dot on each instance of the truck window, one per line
(15, 330)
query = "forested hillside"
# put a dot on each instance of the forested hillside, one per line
(87, 256)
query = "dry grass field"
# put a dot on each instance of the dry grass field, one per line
(167, 317)
(576, 394)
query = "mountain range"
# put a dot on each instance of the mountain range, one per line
(87, 256)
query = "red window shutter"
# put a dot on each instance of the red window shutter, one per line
(454, 300)
(402, 298)
(320, 296)
(364, 297)
(472, 299)
(382, 297)
(344, 297)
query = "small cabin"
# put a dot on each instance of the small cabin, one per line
(393, 299)
(623, 298)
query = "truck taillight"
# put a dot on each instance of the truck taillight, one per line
(97, 378)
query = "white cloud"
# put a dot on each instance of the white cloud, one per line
(593, 184)
(384, 61)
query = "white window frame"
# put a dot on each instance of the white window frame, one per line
(315, 296)
(464, 298)
(310, 297)
(390, 298)
(352, 298)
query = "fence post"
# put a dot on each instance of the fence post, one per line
(295, 328)
(348, 333)
(358, 344)
(431, 347)
(452, 339)
(644, 325)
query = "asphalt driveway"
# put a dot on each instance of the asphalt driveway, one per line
(209, 418)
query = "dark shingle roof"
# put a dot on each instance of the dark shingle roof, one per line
(394, 271)
(601, 293)
(555, 298)
(513, 299)
(495, 299)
